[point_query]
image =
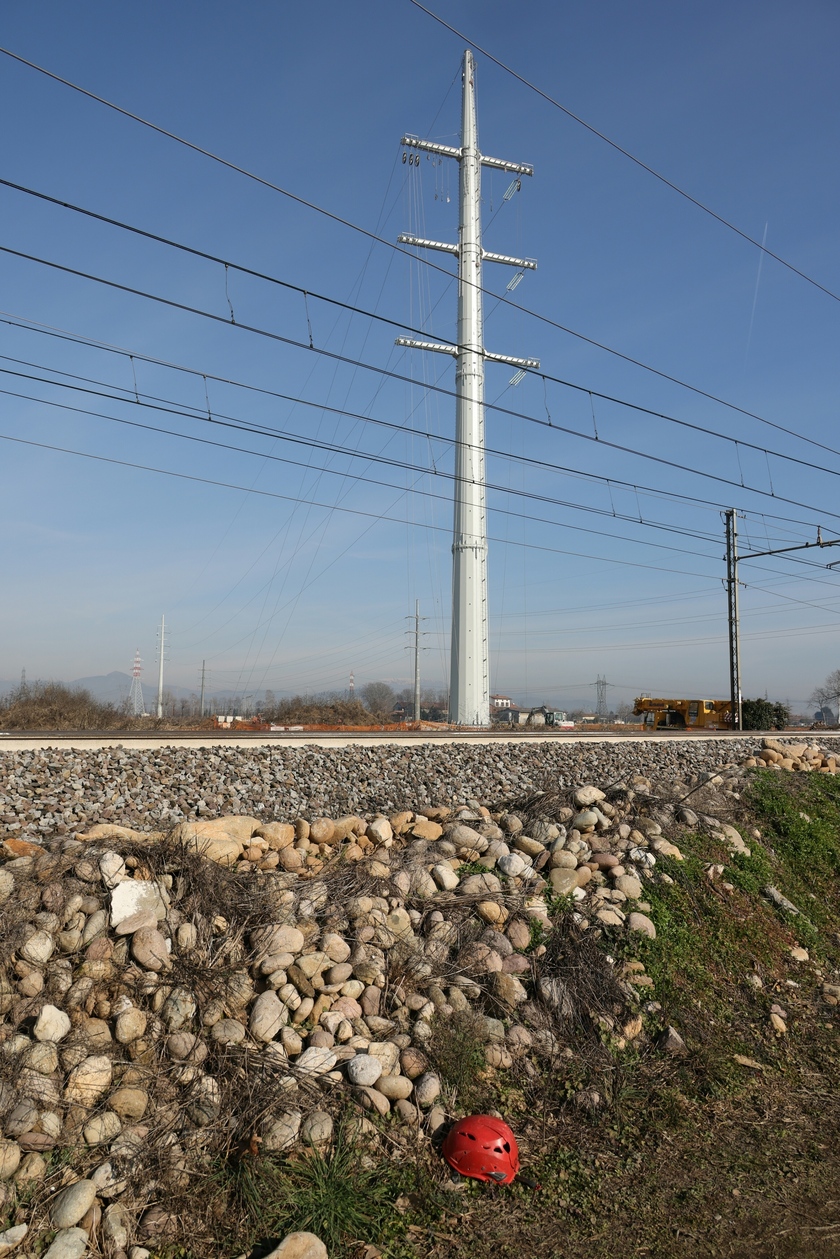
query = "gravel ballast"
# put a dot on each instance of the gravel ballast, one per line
(50, 789)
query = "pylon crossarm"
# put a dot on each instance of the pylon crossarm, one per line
(528, 363)
(524, 264)
(515, 168)
(409, 343)
(448, 150)
(421, 243)
(429, 146)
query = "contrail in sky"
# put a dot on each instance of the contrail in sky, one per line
(755, 294)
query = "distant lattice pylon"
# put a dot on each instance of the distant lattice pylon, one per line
(601, 704)
(136, 706)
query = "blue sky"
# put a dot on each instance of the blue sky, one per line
(735, 104)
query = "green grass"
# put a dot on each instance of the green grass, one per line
(456, 1051)
(334, 1194)
(799, 816)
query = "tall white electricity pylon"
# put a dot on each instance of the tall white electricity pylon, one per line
(135, 696)
(469, 682)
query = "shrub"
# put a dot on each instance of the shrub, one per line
(54, 706)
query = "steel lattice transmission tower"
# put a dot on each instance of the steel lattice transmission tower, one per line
(469, 684)
(136, 707)
(601, 702)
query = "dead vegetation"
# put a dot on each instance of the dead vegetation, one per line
(54, 706)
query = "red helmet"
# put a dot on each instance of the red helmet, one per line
(482, 1147)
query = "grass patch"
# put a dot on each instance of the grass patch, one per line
(343, 1196)
(799, 815)
(456, 1051)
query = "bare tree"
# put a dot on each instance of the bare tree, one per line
(829, 692)
(379, 698)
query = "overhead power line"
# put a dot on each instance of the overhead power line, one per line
(637, 161)
(373, 458)
(600, 479)
(373, 236)
(62, 334)
(353, 511)
(220, 419)
(548, 423)
(351, 308)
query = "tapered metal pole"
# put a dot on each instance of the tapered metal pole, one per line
(470, 666)
(201, 700)
(417, 661)
(734, 628)
(469, 683)
(160, 668)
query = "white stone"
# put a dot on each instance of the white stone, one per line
(115, 1224)
(380, 830)
(38, 948)
(206, 1102)
(317, 1128)
(513, 865)
(336, 947)
(228, 1032)
(268, 1014)
(426, 1089)
(134, 896)
(280, 938)
(364, 1069)
(445, 877)
(299, 1246)
(282, 1132)
(9, 1158)
(70, 1243)
(102, 1128)
(316, 1060)
(72, 1203)
(641, 922)
(89, 1080)
(386, 1053)
(108, 1184)
(12, 1237)
(112, 868)
(51, 1024)
(587, 796)
(630, 886)
(130, 1025)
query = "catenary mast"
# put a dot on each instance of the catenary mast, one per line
(469, 683)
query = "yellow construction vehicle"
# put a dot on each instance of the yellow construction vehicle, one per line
(685, 714)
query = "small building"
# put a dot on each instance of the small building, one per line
(501, 701)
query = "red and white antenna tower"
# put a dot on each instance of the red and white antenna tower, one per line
(136, 706)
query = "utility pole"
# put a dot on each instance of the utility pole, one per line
(417, 618)
(469, 686)
(732, 601)
(732, 613)
(161, 648)
(201, 698)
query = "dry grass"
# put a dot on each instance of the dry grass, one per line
(53, 706)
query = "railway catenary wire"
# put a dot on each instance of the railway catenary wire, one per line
(336, 218)
(394, 375)
(351, 308)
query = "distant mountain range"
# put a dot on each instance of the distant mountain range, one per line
(113, 688)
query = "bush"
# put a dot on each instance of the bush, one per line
(761, 714)
(318, 711)
(54, 706)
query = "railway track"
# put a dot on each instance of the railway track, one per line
(19, 741)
